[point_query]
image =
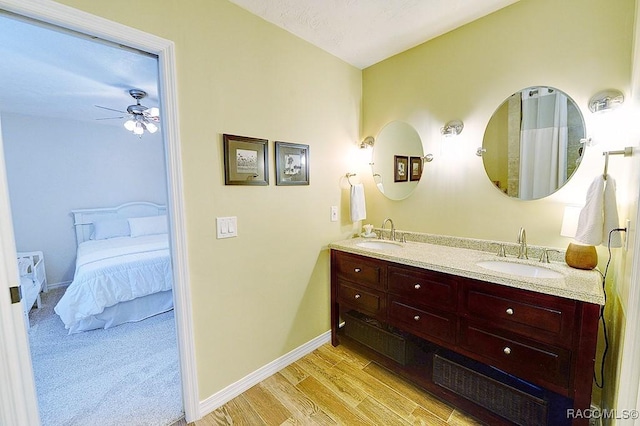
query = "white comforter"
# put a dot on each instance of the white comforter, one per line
(115, 270)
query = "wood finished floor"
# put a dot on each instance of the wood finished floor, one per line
(335, 386)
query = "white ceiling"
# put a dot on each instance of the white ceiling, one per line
(364, 32)
(52, 73)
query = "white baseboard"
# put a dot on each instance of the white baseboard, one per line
(218, 399)
(58, 285)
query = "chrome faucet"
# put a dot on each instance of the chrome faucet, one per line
(522, 240)
(392, 236)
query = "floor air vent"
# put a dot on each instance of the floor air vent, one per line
(514, 405)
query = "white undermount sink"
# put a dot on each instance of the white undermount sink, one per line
(379, 245)
(519, 269)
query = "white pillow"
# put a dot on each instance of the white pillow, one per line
(110, 228)
(149, 225)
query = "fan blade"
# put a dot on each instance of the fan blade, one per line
(110, 118)
(111, 109)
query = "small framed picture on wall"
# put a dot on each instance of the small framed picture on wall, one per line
(292, 164)
(245, 160)
(401, 168)
(415, 165)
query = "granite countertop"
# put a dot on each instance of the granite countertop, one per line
(575, 284)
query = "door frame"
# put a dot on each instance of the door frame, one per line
(18, 400)
(628, 392)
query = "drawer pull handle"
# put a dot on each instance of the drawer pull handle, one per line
(417, 286)
(417, 318)
(357, 296)
(357, 269)
(509, 311)
(507, 350)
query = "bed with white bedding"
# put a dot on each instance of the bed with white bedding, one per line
(123, 267)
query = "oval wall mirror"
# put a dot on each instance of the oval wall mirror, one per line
(397, 160)
(532, 145)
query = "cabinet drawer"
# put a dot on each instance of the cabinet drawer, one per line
(540, 363)
(549, 319)
(425, 287)
(363, 271)
(421, 321)
(361, 299)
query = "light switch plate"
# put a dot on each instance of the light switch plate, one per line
(226, 227)
(334, 213)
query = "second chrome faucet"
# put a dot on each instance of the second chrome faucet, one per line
(522, 240)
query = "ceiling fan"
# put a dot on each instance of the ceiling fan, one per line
(141, 118)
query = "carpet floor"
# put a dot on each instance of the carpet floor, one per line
(125, 375)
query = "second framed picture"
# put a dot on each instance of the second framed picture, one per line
(415, 164)
(292, 164)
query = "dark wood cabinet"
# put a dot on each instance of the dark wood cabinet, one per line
(361, 270)
(362, 299)
(424, 288)
(546, 318)
(546, 340)
(536, 362)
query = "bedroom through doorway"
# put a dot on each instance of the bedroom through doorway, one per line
(63, 154)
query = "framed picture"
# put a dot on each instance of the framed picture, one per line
(245, 160)
(292, 164)
(400, 168)
(415, 167)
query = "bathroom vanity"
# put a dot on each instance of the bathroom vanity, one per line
(469, 334)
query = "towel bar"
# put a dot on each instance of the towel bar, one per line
(627, 152)
(348, 175)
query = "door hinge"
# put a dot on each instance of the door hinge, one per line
(16, 294)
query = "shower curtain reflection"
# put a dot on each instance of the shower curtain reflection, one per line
(543, 142)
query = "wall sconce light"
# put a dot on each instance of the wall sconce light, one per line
(367, 142)
(606, 100)
(452, 128)
(364, 151)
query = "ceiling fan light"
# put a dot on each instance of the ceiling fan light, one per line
(141, 118)
(138, 129)
(151, 128)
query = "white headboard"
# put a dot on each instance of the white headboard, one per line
(83, 218)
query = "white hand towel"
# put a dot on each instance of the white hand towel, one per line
(591, 222)
(611, 220)
(357, 205)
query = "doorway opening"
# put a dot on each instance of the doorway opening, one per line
(22, 122)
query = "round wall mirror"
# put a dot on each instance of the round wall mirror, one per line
(397, 160)
(532, 145)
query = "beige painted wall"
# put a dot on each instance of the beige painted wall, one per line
(258, 296)
(578, 46)
(266, 292)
